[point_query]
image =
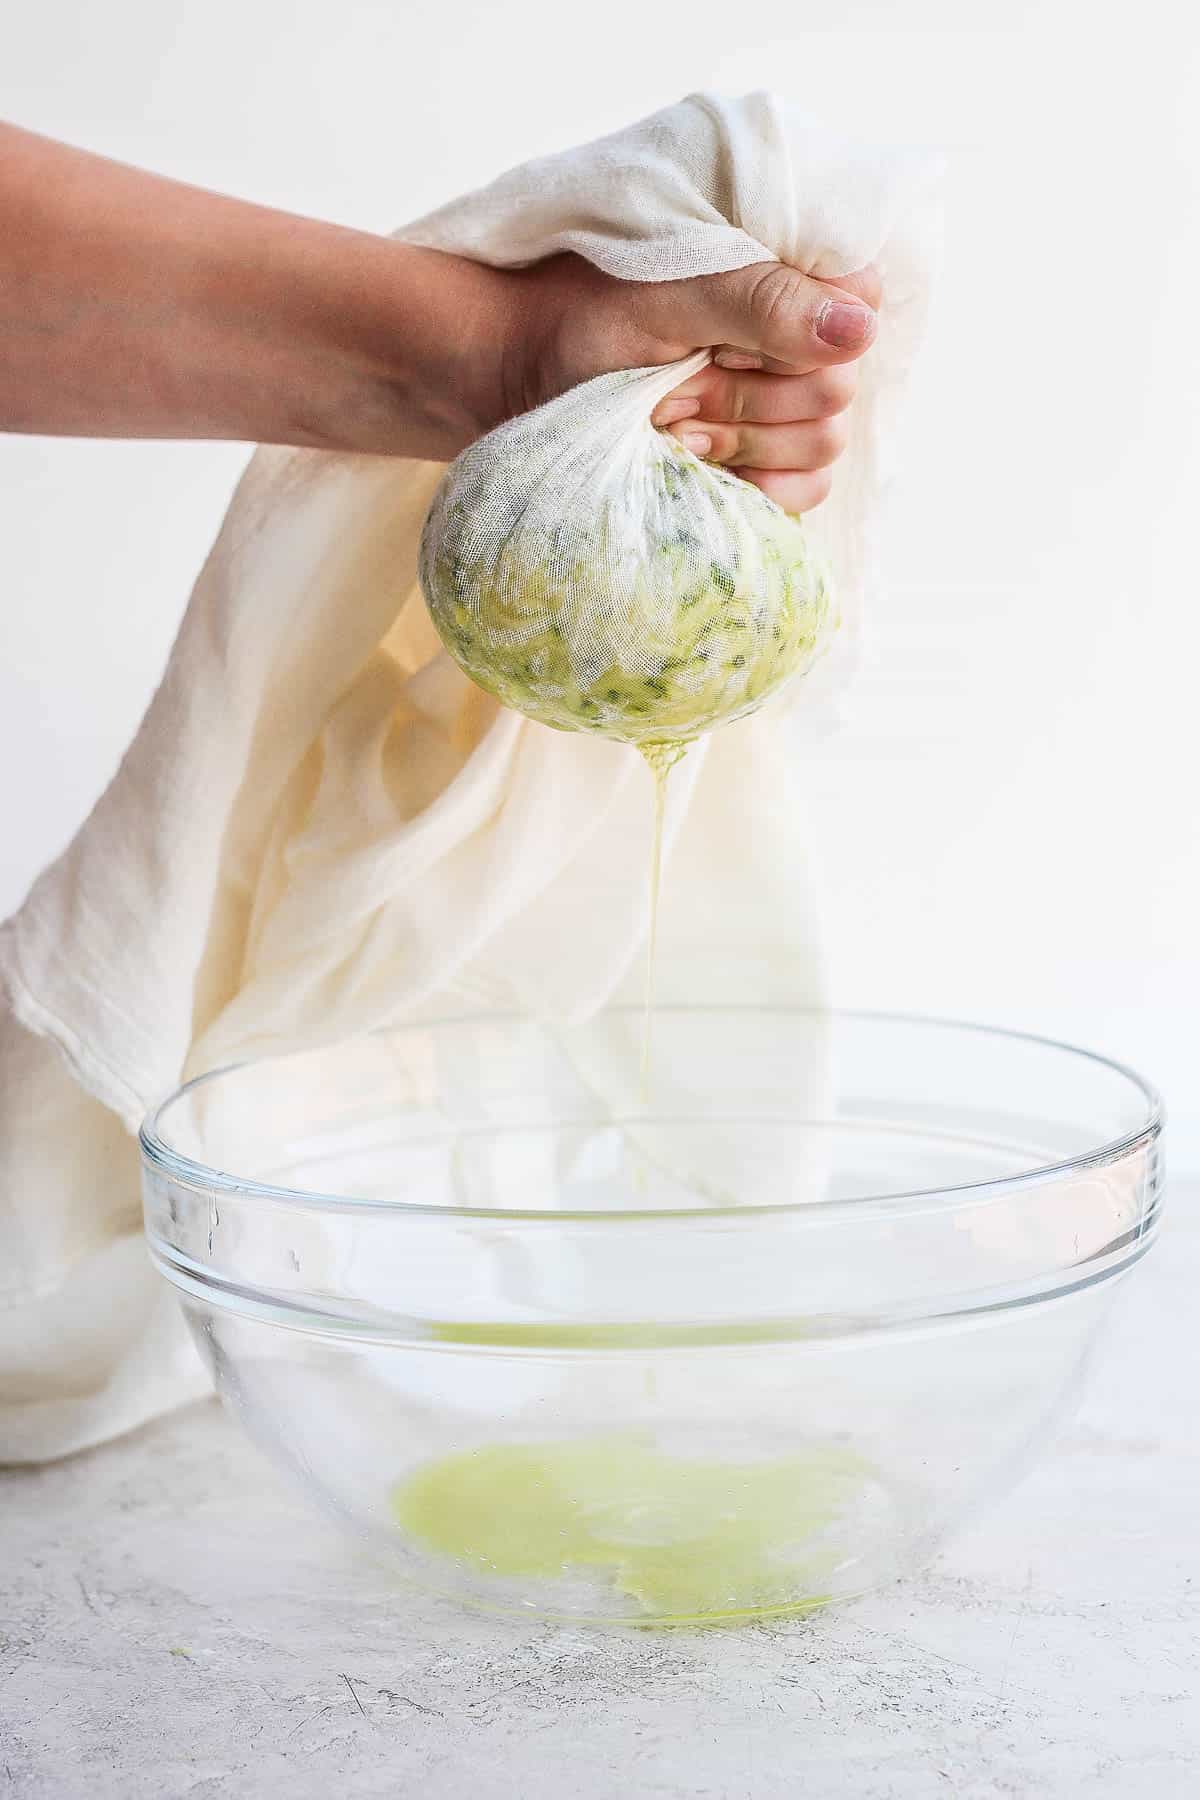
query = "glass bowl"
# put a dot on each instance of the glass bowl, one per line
(757, 1344)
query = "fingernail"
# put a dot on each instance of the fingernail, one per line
(669, 412)
(843, 324)
(698, 442)
(737, 359)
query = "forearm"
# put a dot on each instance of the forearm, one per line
(133, 306)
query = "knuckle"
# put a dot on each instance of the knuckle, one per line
(833, 390)
(782, 312)
(820, 484)
(827, 440)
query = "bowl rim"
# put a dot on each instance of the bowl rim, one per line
(188, 1171)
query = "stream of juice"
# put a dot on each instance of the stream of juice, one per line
(660, 759)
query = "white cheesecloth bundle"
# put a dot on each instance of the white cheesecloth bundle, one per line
(590, 571)
(322, 826)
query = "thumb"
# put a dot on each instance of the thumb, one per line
(787, 321)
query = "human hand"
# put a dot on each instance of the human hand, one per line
(770, 406)
(131, 306)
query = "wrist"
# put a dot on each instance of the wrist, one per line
(420, 340)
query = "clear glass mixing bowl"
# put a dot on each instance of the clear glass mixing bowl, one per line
(761, 1343)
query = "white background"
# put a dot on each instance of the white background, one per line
(1007, 822)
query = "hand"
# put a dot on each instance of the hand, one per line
(131, 306)
(770, 406)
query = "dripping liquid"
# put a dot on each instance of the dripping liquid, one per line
(660, 759)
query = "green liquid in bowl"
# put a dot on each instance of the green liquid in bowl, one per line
(681, 1536)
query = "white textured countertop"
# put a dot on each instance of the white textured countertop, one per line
(173, 1623)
